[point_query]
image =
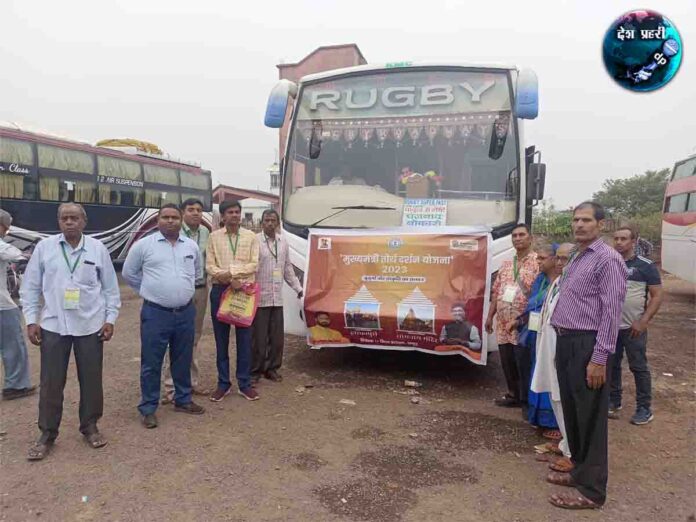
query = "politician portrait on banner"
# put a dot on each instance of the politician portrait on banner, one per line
(390, 289)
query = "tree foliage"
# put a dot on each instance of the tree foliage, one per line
(635, 196)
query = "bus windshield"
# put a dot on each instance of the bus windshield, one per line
(378, 140)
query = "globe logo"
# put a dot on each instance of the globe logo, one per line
(642, 50)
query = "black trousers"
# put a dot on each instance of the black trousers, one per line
(523, 360)
(635, 348)
(55, 356)
(509, 364)
(585, 413)
(268, 332)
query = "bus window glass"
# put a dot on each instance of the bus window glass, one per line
(52, 188)
(118, 168)
(16, 151)
(200, 181)
(112, 190)
(163, 175)
(57, 158)
(691, 206)
(204, 198)
(677, 203)
(686, 169)
(156, 198)
(16, 160)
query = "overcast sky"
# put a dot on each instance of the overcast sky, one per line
(193, 76)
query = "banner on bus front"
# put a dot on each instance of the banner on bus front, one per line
(399, 289)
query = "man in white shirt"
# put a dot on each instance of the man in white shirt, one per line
(74, 275)
(274, 268)
(12, 346)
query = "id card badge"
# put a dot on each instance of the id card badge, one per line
(277, 276)
(71, 299)
(534, 321)
(509, 293)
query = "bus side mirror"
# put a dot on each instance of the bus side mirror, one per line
(527, 95)
(536, 179)
(277, 105)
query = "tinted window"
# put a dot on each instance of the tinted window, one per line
(157, 174)
(68, 160)
(677, 203)
(16, 151)
(686, 169)
(691, 206)
(118, 168)
(156, 198)
(200, 181)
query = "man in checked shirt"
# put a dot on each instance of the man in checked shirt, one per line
(274, 268)
(586, 319)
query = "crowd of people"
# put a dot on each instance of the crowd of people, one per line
(563, 314)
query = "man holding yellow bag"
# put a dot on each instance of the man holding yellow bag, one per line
(232, 257)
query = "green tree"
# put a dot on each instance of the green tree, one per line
(635, 196)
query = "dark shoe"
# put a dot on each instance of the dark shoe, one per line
(96, 440)
(274, 376)
(40, 450)
(191, 408)
(614, 411)
(249, 394)
(150, 421)
(9, 394)
(508, 401)
(219, 394)
(642, 416)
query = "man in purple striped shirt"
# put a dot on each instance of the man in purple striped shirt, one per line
(586, 319)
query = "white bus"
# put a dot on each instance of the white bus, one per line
(356, 133)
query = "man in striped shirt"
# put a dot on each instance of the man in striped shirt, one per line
(274, 268)
(586, 319)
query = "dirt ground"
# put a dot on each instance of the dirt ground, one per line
(303, 455)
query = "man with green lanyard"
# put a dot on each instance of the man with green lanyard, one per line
(73, 275)
(232, 257)
(193, 229)
(509, 296)
(274, 268)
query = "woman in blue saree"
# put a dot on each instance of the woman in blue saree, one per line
(539, 412)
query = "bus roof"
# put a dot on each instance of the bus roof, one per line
(49, 138)
(402, 66)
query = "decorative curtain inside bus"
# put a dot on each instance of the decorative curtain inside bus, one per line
(63, 159)
(157, 174)
(49, 189)
(156, 198)
(20, 153)
(11, 186)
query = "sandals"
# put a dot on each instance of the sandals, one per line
(572, 501)
(96, 440)
(552, 435)
(548, 447)
(561, 479)
(40, 450)
(562, 465)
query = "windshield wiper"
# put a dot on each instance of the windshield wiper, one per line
(343, 209)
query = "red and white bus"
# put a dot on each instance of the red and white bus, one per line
(679, 221)
(121, 189)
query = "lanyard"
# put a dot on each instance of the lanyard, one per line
(542, 289)
(198, 235)
(77, 261)
(233, 248)
(273, 252)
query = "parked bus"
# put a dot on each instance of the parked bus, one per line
(119, 189)
(679, 221)
(355, 132)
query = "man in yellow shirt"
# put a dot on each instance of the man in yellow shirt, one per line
(232, 256)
